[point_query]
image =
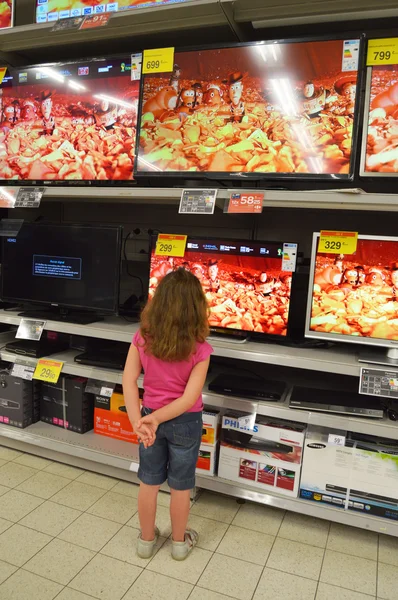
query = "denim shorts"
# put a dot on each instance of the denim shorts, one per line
(174, 454)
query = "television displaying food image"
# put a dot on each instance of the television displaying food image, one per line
(265, 108)
(247, 283)
(6, 14)
(70, 122)
(52, 10)
(355, 297)
(380, 143)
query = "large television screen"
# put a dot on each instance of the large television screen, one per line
(380, 141)
(354, 298)
(48, 11)
(65, 265)
(266, 108)
(247, 283)
(6, 14)
(70, 122)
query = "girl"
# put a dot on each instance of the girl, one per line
(171, 347)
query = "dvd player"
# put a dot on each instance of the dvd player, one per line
(106, 358)
(336, 401)
(37, 349)
(248, 387)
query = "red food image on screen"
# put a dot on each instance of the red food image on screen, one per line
(357, 295)
(52, 131)
(266, 108)
(382, 133)
(6, 14)
(244, 293)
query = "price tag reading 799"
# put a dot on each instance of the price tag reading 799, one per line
(171, 245)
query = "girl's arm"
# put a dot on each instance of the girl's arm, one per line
(176, 408)
(132, 371)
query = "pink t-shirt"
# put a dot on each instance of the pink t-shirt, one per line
(166, 381)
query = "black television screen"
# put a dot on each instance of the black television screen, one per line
(247, 283)
(70, 122)
(64, 265)
(281, 109)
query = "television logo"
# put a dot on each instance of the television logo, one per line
(76, 12)
(42, 2)
(264, 251)
(88, 10)
(99, 9)
(42, 9)
(64, 14)
(112, 7)
(52, 16)
(41, 18)
(83, 71)
(22, 77)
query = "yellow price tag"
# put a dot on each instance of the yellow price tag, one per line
(48, 370)
(382, 52)
(158, 60)
(170, 245)
(338, 242)
(3, 71)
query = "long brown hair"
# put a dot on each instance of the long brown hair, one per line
(176, 318)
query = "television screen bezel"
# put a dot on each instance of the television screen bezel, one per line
(81, 182)
(262, 176)
(29, 301)
(339, 337)
(228, 331)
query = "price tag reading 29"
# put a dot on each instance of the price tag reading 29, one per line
(338, 242)
(48, 370)
(170, 245)
(158, 60)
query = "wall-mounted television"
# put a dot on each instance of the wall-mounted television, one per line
(48, 11)
(379, 156)
(354, 298)
(247, 283)
(72, 122)
(262, 109)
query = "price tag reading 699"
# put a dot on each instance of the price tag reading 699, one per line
(158, 60)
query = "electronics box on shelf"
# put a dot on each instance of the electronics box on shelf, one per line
(111, 419)
(19, 401)
(359, 474)
(207, 460)
(267, 457)
(75, 412)
(211, 427)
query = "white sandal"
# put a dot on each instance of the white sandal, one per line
(181, 550)
(145, 549)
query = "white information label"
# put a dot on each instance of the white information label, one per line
(247, 422)
(30, 329)
(336, 440)
(23, 372)
(289, 257)
(106, 392)
(198, 201)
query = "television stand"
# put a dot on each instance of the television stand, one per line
(380, 357)
(78, 317)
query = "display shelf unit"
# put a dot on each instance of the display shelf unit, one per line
(120, 459)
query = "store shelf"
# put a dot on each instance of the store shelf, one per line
(121, 459)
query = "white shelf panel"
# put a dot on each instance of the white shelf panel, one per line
(118, 455)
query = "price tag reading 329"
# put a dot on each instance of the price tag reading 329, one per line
(338, 242)
(158, 60)
(171, 245)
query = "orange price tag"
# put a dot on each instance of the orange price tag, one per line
(170, 245)
(338, 242)
(48, 370)
(3, 71)
(246, 202)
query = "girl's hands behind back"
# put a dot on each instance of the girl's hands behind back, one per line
(146, 434)
(149, 422)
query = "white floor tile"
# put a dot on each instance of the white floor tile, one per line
(14, 505)
(18, 544)
(35, 462)
(387, 586)
(6, 570)
(64, 470)
(23, 585)
(43, 485)
(123, 547)
(353, 541)
(50, 518)
(101, 481)
(153, 586)
(276, 585)
(213, 506)
(332, 592)
(246, 545)
(127, 489)
(59, 561)
(388, 550)
(300, 528)
(210, 532)
(4, 524)
(90, 532)
(295, 558)
(202, 594)
(69, 594)
(114, 507)
(105, 578)
(4, 489)
(78, 495)
(233, 577)
(352, 572)
(2, 462)
(188, 570)
(8, 453)
(12, 474)
(259, 518)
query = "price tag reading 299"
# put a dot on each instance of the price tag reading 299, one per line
(170, 245)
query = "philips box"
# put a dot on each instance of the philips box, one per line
(266, 456)
(358, 473)
(207, 460)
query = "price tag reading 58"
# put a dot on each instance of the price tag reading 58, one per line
(338, 242)
(158, 60)
(171, 245)
(48, 370)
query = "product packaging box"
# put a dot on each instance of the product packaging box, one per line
(211, 427)
(359, 473)
(267, 456)
(19, 401)
(74, 412)
(111, 419)
(207, 460)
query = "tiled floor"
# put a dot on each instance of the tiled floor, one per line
(70, 535)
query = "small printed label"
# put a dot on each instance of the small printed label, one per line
(338, 242)
(23, 372)
(289, 257)
(29, 197)
(336, 440)
(106, 392)
(198, 201)
(247, 421)
(30, 330)
(136, 66)
(170, 245)
(158, 60)
(350, 55)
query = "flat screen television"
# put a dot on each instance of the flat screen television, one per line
(66, 267)
(72, 122)
(48, 11)
(247, 283)
(7, 9)
(354, 298)
(379, 157)
(257, 110)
